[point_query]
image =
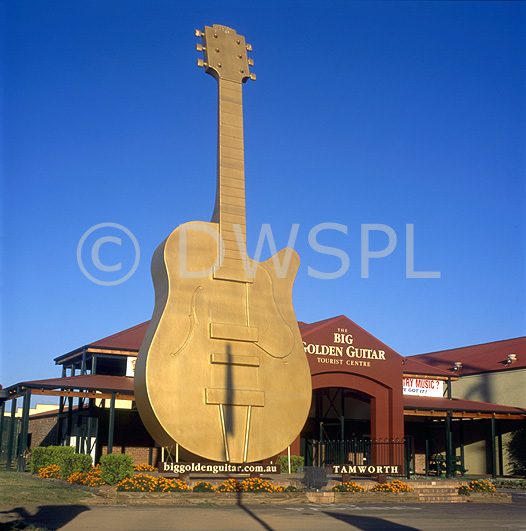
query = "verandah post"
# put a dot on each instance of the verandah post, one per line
(111, 428)
(24, 427)
(10, 436)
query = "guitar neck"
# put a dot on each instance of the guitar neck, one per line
(225, 54)
(229, 209)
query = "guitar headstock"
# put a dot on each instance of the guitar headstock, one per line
(225, 54)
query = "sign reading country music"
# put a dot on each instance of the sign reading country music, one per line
(423, 387)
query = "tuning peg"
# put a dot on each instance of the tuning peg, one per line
(249, 47)
(198, 33)
(201, 63)
(251, 62)
(199, 47)
(253, 76)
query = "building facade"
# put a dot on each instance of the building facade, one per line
(426, 413)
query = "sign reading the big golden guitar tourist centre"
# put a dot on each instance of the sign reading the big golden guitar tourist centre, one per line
(344, 351)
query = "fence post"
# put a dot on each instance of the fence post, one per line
(407, 457)
(449, 446)
(2, 413)
(493, 456)
(11, 435)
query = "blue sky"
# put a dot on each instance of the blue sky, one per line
(385, 113)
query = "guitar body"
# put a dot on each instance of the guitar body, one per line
(222, 369)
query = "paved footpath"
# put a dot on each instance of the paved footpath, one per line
(420, 517)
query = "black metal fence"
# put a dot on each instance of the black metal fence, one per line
(9, 441)
(359, 451)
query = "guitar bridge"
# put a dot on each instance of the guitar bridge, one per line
(231, 332)
(235, 397)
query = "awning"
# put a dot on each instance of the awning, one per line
(82, 386)
(439, 407)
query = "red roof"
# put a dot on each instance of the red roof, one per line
(307, 328)
(89, 382)
(129, 339)
(477, 358)
(486, 357)
(444, 404)
(412, 366)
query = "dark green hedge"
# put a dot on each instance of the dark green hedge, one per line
(116, 467)
(75, 463)
(295, 462)
(43, 456)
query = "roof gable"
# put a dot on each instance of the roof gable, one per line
(341, 321)
(129, 339)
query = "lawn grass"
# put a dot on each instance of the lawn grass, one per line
(19, 489)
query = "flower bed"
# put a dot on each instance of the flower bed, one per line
(144, 467)
(395, 486)
(480, 485)
(50, 471)
(146, 483)
(88, 479)
(351, 486)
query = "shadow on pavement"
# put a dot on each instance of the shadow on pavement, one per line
(49, 516)
(369, 523)
(261, 522)
(365, 523)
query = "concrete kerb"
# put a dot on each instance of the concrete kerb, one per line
(421, 487)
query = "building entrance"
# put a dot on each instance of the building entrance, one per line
(338, 432)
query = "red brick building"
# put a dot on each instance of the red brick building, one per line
(363, 391)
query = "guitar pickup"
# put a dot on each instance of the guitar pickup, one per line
(231, 332)
(234, 359)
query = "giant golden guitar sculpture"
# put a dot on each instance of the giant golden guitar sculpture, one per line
(222, 370)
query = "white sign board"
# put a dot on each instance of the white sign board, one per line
(421, 387)
(130, 366)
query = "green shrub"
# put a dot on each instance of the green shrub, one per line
(519, 484)
(203, 486)
(116, 467)
(75, 463)
(43, 456)
(39, 459)
(291, 488)
(295, 462)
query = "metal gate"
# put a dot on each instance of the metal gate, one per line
(359, 451)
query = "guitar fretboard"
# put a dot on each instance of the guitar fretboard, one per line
(230, 199)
